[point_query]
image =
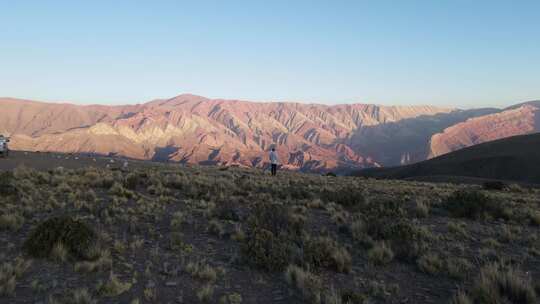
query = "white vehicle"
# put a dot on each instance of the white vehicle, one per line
(4, 150)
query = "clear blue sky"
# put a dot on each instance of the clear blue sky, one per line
(448, 52)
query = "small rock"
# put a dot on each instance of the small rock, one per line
(171, 284)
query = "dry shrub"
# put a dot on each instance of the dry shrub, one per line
(226, 210)
(131, 181)
(430, 263)
(502, 284)
(267, 251)
(494, 185)
(476, 205)
(76, 236)
(271, 235)
(406, 238)
(348, 196)
(380, 254)
(327, 253)
(308, 284)
(6, 183)
(11, 221)
(113, 286)
(9, 273)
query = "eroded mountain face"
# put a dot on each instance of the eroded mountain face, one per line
(517, 120)
(194, 129)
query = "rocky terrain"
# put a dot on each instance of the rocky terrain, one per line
(309, 137)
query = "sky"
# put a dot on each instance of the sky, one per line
(439, 52)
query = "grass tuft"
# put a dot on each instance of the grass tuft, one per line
(77, 238)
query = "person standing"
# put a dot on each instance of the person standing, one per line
(274, 160)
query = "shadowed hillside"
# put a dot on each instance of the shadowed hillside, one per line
(515, 158)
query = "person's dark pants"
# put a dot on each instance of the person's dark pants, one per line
(274, 169)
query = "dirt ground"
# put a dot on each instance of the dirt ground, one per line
(171, 234)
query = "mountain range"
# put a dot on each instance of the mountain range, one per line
(308, 137)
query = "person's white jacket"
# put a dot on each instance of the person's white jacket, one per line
(274, 160)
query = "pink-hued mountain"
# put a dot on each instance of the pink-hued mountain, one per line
(194, 129)
(517, 120)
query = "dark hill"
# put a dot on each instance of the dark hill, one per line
(515, 158)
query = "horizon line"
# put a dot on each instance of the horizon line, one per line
(304, 102)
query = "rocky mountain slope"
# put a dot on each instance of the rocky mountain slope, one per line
(514, 158)
(517, 120)
(195, 129)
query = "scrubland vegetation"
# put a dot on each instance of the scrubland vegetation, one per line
(165, 234)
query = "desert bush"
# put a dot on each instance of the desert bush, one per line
(106, 181)
(113, 286)
(215, 228)
(233, 298)
(175, 181)
(150, 294)
(81, 296)
(103, 262)
(534, 217)
(349, 296)
(308, 284)
(131, 181)
(515, 188)
(205, 293)
(59, 252)
(380, 254)
(9, 273)
(77, 237)
(406, 238)
(358, 229)
(11, 221)
(203, 271)
(501, 284)
(238, 234)
(421, 209)
(345, 196)
(384, 208)
(491, 242)
(430, 263)
(226, 210)
(6, 183)
(458, 268)
(77, 296)
(458, 228)
(267, 251)
(275, 218)
(178, 218)
(327, 253)
(461, 298)
(271, 234)
(475, 204)
(295, 191)
(119, 190)
(494, 185)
